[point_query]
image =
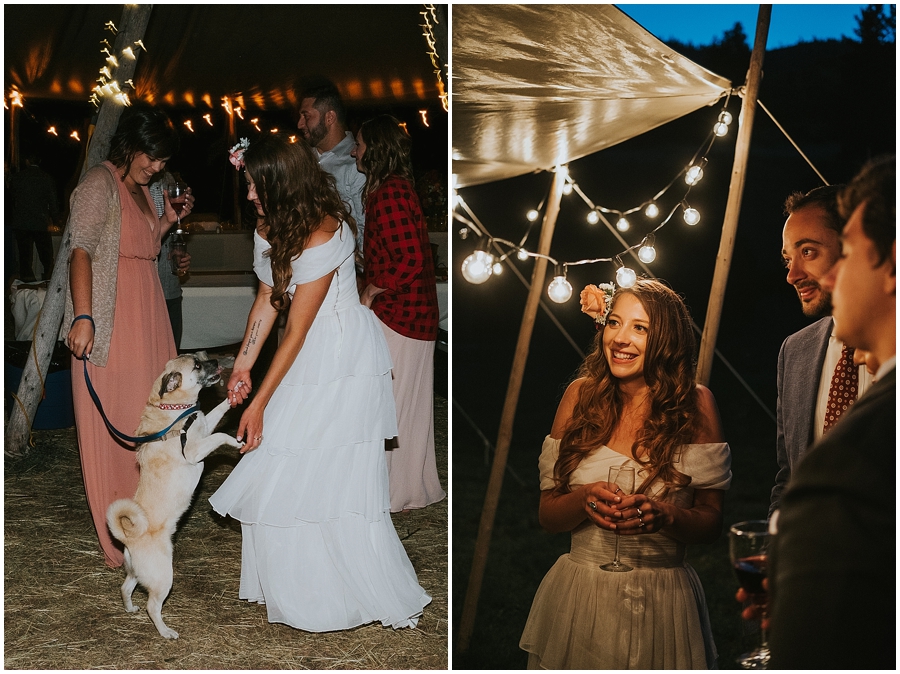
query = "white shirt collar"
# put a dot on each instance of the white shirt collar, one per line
(886, 367)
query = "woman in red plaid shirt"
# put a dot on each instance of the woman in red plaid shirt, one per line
(399, 286)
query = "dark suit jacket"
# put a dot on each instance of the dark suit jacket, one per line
(799, 371)
(833, 563)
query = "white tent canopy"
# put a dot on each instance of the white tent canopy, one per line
(535, 86)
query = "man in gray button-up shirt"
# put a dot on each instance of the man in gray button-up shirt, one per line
(323, 125)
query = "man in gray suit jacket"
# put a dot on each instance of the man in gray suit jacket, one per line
(832, 564)
(807, 359)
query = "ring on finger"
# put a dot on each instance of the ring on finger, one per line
(593, 505)
(640, 513)
(641, 521)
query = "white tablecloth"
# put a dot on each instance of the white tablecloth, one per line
(214, 309)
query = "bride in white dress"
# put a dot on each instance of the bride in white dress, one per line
(635, 403)
(311, 491)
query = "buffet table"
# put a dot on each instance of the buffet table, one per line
(214, 309)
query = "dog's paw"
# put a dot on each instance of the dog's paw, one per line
(169, 633)
(131, 608)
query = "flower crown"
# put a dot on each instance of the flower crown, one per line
(596, 301)
(237, 153)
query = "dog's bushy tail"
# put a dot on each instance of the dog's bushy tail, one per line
(126, 519)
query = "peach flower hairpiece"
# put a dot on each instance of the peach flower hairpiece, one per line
(236, 154)
(596, 301)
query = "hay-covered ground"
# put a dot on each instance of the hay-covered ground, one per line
(64, 611)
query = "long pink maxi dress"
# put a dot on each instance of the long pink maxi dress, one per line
(141, 345)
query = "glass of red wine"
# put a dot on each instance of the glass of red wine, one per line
(622, 477)
(178, 192)
(748, 544)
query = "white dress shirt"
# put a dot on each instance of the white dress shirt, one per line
(338, 162)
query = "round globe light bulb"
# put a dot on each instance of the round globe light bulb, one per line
(726, 117)
(532, 215)
(497, 268)
(652, 210)
(647, 254)
(693, 175)
(623, 225)
(593, 217)
(559, 290)
(625, 277)
(720, 129)
(691, 216)
(522, 254)
(567, 188)
(478, 267)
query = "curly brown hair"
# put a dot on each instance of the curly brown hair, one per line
(296, 195)
(388, 149)
(673, 418)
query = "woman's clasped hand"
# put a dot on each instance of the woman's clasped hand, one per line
(628, 515)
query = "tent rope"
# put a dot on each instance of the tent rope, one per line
(796, 147)
(488, 445)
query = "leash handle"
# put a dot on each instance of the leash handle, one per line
(113, 429)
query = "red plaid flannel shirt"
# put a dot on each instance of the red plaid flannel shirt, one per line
(397, 256)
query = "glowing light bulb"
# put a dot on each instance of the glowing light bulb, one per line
(559, 290)
(726, 117)
(567, 188)
(623, 225)
(498, 268)
(464, 233)
(532, 215)
(478, 267)
(652, 210)
(522, 254)
(693, 175)
(691, 216)
(647, 253)
(720, 129)
(625, 277)
(593, 217)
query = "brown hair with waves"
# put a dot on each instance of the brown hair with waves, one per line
(296, 195)
(388, 150)
(673, 418)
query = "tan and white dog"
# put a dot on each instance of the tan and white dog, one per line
(170, 470)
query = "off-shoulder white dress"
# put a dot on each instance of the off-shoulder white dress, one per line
(319, 547)
(653, 617)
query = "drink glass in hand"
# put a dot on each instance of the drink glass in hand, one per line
(623, 478)
(178, 192)
(748, 545)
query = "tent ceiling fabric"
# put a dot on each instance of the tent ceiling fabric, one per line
(199, 53)
(535, 86)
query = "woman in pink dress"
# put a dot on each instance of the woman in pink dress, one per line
(116, 314)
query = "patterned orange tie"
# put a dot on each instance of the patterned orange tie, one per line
(844, 388)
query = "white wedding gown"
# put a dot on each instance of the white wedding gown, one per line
(319, 548)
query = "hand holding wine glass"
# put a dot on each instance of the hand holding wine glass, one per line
(178, 193)
(748, 546)
(623, 478)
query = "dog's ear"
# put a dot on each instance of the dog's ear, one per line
(170, 382)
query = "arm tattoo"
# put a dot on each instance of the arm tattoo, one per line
(254, 335)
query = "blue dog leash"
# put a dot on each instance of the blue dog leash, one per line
(113, 429)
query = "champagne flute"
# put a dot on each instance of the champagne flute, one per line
(748, 544)
(623, 477)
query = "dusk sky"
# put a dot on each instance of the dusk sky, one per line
(701, 24)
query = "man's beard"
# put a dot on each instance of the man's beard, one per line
(820, 307)
(316, 134)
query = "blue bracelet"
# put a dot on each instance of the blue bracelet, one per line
(83, 317)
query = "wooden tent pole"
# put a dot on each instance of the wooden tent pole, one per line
(504, 436)
(735, 195)
(132, 27)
